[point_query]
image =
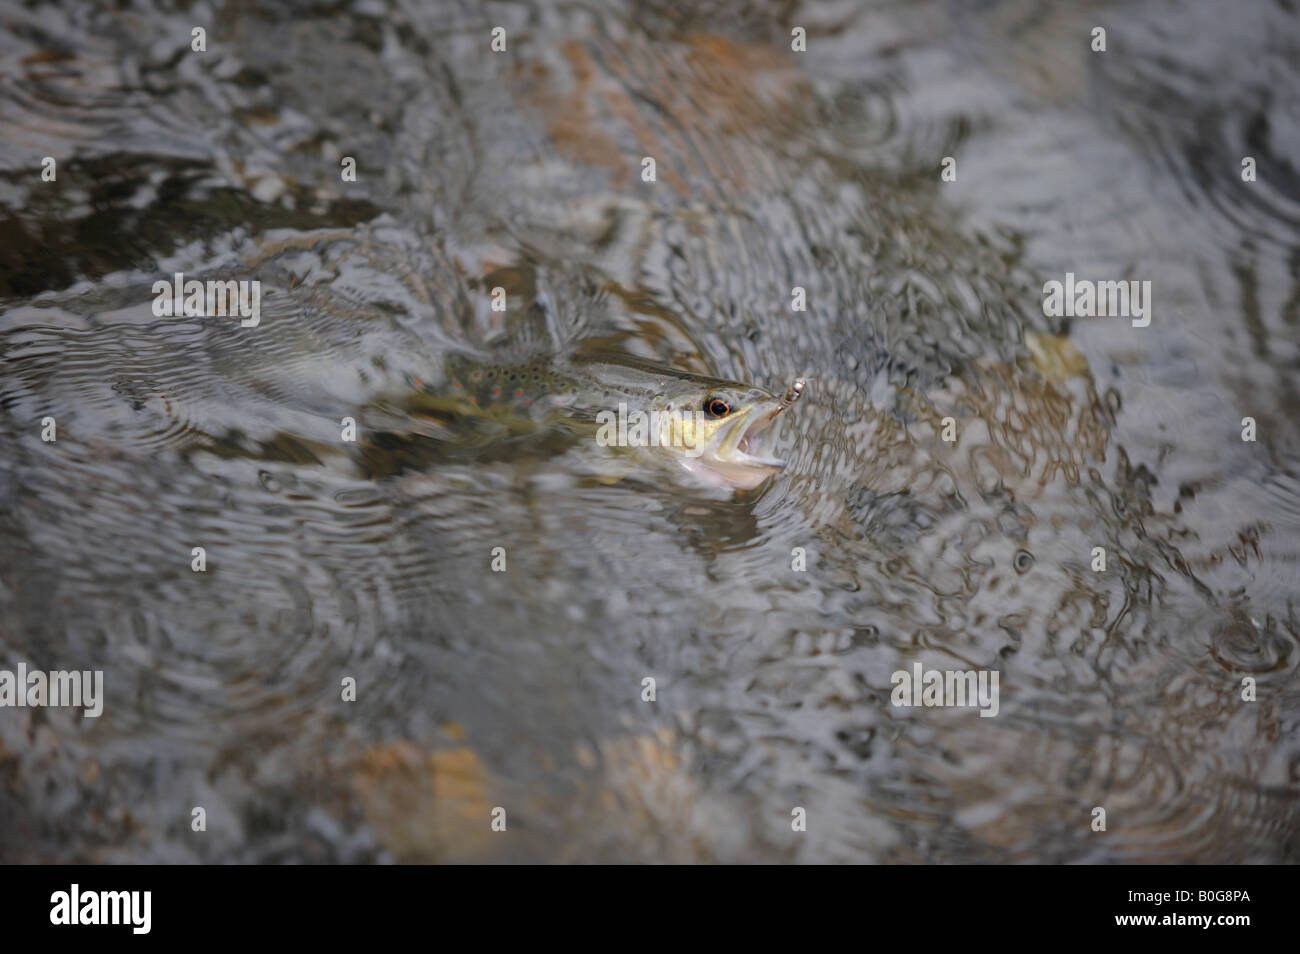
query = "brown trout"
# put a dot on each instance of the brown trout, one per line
(716, 430)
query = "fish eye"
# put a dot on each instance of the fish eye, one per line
(716, 407)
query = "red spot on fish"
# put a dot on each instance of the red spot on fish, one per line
(455, 384)
(496, 390)
(476, 374)
(475, 400)
(418, 382)
(517, 393)
(528, 402)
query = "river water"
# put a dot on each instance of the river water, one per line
(1162, 689)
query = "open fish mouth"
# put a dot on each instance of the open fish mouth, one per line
(754, 447)
(747, 444)
(739, 454)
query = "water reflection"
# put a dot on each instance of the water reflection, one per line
(772, 622)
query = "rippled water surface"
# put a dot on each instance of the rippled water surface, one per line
(329, 559)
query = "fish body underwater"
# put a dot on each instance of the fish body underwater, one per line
(715, 430)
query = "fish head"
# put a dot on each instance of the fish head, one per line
(722, 432)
